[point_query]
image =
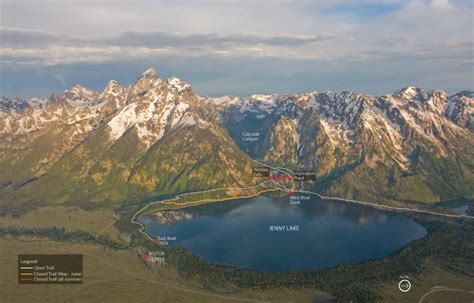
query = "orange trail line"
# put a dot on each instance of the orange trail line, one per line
(221, 199)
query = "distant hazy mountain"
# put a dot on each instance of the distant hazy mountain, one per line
(157, 137)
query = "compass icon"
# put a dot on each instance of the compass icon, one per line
(404, 285)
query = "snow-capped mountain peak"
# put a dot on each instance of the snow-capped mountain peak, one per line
(178, 84)
(79, 96)
(82, 91)
(411, 93)
(394, 137)
(154, 107)
(148, 73)
(112, 89)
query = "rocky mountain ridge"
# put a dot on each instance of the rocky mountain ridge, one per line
(157, 137)
(154, 137)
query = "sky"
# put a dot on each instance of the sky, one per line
(238, 47)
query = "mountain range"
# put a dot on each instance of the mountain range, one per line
(158, 138)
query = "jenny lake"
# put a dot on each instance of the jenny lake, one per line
(273, 234)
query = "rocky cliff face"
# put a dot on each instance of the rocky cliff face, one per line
(408, 146)
(154, 138)
(157, 137)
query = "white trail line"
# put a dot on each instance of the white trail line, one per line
(282, 187)
(178, 197)
(442, 289)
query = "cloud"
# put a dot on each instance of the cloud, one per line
(16, 37)
(318, 30)
(407, 37)
(49, 48)
(442, 4)
(163, 39)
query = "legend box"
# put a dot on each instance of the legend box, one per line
(50, 269)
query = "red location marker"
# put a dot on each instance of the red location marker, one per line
(145, 256)
(289, 178)
(290, 193)
(154, 241)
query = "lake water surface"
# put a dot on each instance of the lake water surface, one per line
(270, 234)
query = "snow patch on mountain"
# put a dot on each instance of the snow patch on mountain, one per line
(122, 121)
(178, 84)
(148, 73)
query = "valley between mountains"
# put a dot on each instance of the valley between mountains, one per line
(157, 138)
(81, 168)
